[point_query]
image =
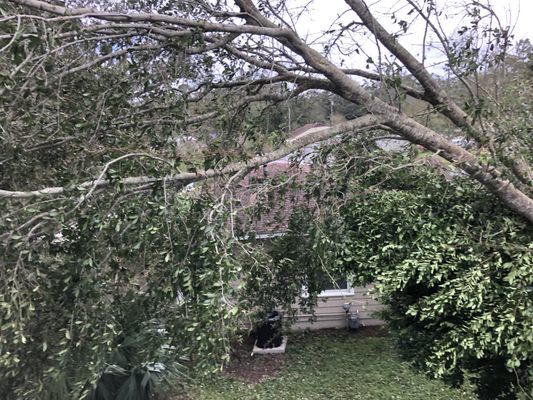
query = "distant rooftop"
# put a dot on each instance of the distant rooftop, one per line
(303, 129)
(264, 210)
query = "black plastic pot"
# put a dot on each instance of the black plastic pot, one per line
(268, 331)
(354, 323)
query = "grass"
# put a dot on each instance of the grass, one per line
(334, 365)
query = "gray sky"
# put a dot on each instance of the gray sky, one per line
(322, 13)
(517, 13)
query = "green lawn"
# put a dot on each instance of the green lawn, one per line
(334, 365)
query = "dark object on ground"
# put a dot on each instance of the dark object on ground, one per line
(268, 331)
(121, 384)
(354, 322)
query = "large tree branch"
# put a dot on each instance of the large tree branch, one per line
(342, 84)
(405, 126)
(488, 176)
(145, 17)
(438, 96)
(364, 122)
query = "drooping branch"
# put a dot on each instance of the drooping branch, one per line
(409, 90)
(184, 178)
(104, 58)
(215, 44)
(199, 118)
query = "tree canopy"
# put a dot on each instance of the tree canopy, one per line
(111, 110)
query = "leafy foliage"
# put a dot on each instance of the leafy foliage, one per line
(454, 269)
(100, 290)
(110, 260)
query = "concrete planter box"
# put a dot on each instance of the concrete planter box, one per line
(274, 350)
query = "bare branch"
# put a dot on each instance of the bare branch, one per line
(188, 177)
(436, 95)
(100, 60)
(144, 17)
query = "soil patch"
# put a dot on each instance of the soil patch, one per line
(372, 331)
(255, 368)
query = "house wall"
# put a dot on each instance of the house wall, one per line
(330, 314)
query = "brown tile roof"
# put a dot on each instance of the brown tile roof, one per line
(267, 197)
